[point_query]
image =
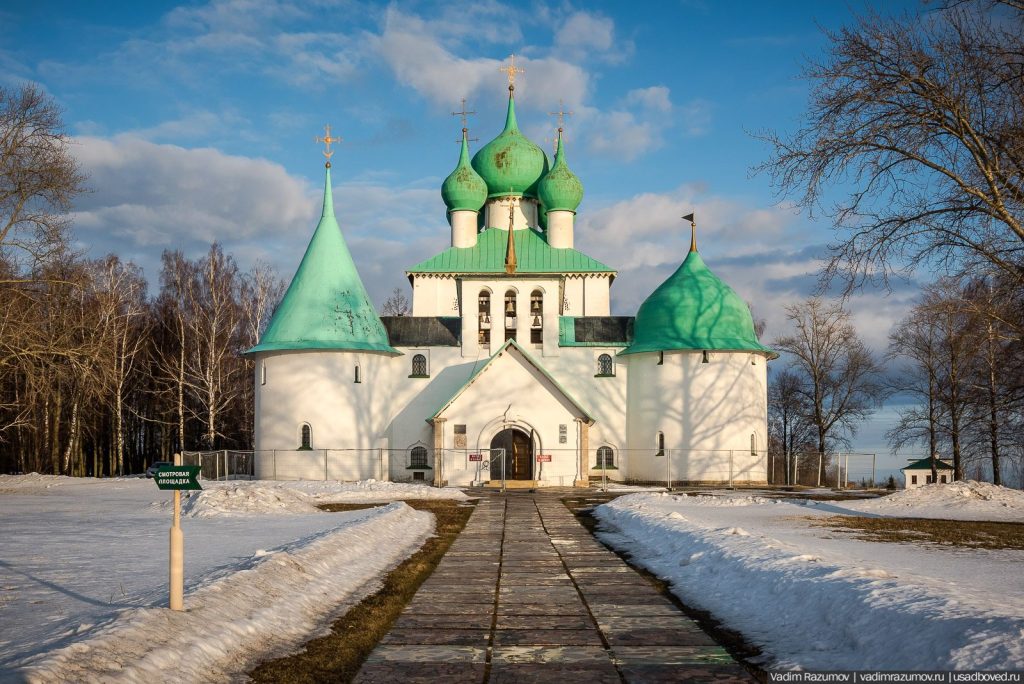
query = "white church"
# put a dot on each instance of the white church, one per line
(510, 367)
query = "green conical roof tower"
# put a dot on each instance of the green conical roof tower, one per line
(694, 310)
(326, 305)
(464, 189)
(510, 164)
(560, 189)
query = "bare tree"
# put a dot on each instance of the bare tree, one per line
(921, 116)
(789, 430)
(840, 379)
(38, 177)
(397, 304)
(917, 339)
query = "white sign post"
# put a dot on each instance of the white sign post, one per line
(177, 477)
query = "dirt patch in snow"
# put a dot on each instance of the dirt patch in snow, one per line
(966, 533)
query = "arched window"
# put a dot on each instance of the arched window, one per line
(605, 457)
(537, 317)
(484, 317)
(510, 315)
(418, 457)
(263, 373)
(753, 444)
(357, 378)
(419, 366)
(605, 366)
(661, 444)
(305, 437)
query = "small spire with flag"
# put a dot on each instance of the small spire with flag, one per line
(693, 231)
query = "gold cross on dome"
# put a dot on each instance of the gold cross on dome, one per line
(463, 113)
(327, 140)
(561, 114)
(511, 70)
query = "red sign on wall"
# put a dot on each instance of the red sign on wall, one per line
(543, 458)
(476, 457)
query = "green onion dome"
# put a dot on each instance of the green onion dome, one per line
(464, 189)
(510, 164)
(694, 310)
(560, 189)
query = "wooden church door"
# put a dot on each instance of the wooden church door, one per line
(518, 455)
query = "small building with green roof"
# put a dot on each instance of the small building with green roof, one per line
(509, 365)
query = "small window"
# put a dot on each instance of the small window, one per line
(356, 377)
(661, 444)
(661, 358)
(605, 457)
(942, 479)
(305, 438)
(927, 479)
(704, 356)
(753, 444)
(484, 318)
(419, 366)
(913, 479)
(536, 336)
(418, 457)
(263, 373)
(605, 367)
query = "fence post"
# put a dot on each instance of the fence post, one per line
(796, 468)
(325, 465)
(227, 470)
(380, 463)
(846, 480)
(275, 465)
(872, 470)
(770, 473)
(730, 467)
(821, 461)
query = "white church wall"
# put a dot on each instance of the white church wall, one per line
(706, 411)
(512, 393)
(434, 296)
(318, 388)
(524, 214)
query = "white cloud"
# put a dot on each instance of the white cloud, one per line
(751, 248)
(654, 98)
(586, 35)
(148, 197)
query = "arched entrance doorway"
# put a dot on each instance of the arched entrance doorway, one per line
(518, 455)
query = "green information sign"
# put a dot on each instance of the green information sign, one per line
(177, 477)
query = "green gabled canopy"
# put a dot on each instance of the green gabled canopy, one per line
(511, 164)
(694, 310)
(326, 305)
(533, 254)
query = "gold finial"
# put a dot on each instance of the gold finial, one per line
(511, 70)
(465, 130)
(693, 231)
(327, 140)
(510, 249)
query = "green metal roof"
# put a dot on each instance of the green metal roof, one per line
(511, 164)
(926, 464)
(533, 254)
(531, 360)
(326, 305)
(560, 189)
(464, 188)
(693, 309)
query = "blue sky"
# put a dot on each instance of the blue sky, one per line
(196, 122)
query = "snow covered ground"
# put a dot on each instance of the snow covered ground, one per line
(83, 572)
(814, 598)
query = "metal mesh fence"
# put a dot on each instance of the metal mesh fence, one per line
(554, 467)
(224, 464)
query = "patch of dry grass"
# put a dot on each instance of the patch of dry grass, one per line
(338, 656)
(964, 533)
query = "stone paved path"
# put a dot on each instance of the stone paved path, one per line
(526, 594)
